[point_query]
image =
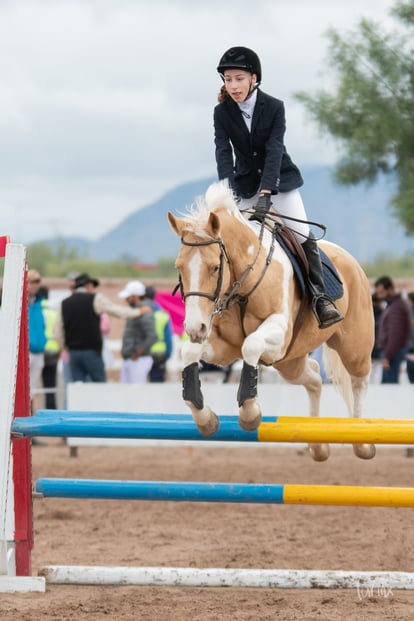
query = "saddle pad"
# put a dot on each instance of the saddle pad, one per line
(333, 284)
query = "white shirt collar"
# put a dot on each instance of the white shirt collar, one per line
(247, 108)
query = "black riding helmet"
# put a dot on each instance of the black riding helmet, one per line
(241, 58)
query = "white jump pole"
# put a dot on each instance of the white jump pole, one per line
(216, 577)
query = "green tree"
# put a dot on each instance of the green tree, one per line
(371, 111)
(58, 260)
(39, 257)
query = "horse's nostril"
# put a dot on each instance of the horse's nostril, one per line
(203, 328)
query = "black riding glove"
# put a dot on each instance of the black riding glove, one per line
(261, 208)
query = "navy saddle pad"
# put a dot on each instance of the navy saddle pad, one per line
(333, 284)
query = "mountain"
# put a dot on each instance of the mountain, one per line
(146, 234)
(357, 218)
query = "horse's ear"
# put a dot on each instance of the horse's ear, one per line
(213, 224)
(175, 223)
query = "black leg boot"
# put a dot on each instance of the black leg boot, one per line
(323, 307)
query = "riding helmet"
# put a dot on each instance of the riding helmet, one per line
(241, 58)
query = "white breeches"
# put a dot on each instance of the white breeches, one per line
(135, 371)
(285, 204)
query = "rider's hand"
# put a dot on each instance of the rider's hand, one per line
(261, 208)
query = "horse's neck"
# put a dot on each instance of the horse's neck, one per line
(248, 257)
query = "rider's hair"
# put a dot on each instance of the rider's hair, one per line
(223, 94)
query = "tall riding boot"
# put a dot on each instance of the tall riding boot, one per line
(323, 307)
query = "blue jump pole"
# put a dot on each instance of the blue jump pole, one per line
(181, 427)
(131, 426)
(160, 490)
(186, 491)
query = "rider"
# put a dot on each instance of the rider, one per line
(251, 124)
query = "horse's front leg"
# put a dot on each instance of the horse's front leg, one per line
(264, 343)
(250, 414)
(205, 419)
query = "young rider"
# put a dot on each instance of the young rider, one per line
(249, 130)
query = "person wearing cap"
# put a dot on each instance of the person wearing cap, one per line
(249, 127)
(139, 335)
(37, 332)
(78, 328)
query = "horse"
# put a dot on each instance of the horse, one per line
(242, 301)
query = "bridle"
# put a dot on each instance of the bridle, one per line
(215, 297)
(233, 296)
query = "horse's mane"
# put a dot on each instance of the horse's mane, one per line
(218, 196)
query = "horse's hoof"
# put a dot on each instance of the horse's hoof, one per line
(364, 451)
(209, 428)
(250, 415)
(319, 452)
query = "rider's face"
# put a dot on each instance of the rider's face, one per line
(239, 83)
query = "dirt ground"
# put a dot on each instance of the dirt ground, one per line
(134, 533)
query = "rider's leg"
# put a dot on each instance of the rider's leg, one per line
(325, 310)
(291, 204)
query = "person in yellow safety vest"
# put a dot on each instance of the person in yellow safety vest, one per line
(161, 350)
(51, 351)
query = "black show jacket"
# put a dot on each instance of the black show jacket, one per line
(261, 159)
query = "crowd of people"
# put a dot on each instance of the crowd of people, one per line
(74, 332)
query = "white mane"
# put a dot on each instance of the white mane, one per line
(218, 195)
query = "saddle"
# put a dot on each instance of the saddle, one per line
(333, 284)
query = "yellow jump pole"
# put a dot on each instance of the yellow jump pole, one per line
(337, 430)
(348, 495)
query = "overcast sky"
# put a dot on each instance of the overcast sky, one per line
(107, 104)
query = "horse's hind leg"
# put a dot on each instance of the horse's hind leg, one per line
(306, 372)
(359, 389)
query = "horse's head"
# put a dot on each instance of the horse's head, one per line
(202, 261)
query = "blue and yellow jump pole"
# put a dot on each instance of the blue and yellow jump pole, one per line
(185, 491)
(299, 429)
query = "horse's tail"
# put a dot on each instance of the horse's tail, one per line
(338, 375)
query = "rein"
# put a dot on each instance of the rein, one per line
(242, 300)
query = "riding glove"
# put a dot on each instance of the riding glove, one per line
(261, 208)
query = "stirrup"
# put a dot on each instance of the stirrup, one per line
(335, 317)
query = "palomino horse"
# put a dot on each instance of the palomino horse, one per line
(241, 301)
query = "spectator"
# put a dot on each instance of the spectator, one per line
(78, 327)
(64, 356)
(162, 349)
(394, 329)
(37, 333)
(52, 350)
(139, 336)
(410, 354)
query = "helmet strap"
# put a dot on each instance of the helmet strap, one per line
(251, 90)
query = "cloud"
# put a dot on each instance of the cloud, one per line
(106, 104)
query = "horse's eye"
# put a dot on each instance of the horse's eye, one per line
(215, 269)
